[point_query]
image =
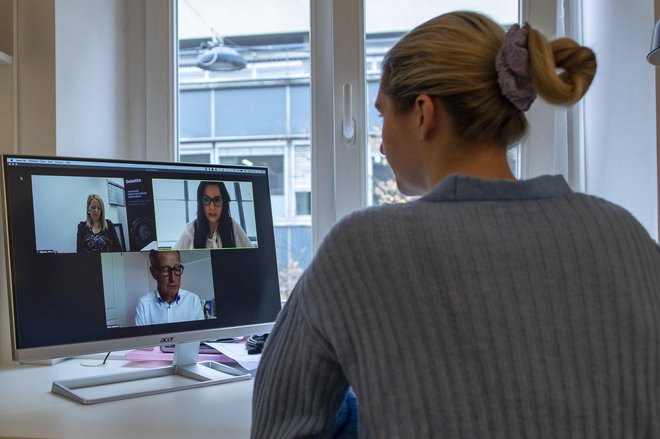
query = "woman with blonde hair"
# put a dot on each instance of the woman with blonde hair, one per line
(96, 234)
(488, 307)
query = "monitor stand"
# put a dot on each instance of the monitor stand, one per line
(184, 373)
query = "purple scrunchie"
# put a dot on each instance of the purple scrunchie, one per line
(512, 66)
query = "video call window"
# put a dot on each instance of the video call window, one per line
(93, 215)
(79, 214)
(127, 281)
(194, 214)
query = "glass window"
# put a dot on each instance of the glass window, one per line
(374, 123)
(194, 158)
(274, 163)
(250, 111)
(195, 114)
(303, 203)
(301, 116)
(294, 252)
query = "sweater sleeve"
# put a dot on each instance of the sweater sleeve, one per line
(299, 385)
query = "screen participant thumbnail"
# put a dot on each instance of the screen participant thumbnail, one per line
(78, 214)
(194, 214)
(157, 287)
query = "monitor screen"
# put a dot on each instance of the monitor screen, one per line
(107, 255)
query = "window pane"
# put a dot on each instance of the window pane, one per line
(250, 111)
(275, 165)
(374, 123)
(303, 203)
(301, 116)
(195, 114)
(194, 158)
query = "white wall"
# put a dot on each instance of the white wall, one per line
(92, 74)
(115, 76)
(620, 119)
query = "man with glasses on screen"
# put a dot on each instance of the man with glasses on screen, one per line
(168, 303)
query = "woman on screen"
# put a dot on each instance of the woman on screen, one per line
(214, 226)
(96, 234)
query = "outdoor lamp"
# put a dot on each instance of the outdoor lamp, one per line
(220, 58)
(654, 55)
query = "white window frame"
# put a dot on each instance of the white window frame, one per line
(161, 88)
(555, 143)
(339, 180)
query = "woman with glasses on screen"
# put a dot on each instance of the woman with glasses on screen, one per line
(490, 307)
(214, 226)
(96, 234)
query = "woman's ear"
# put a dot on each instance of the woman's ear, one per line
(426, 112)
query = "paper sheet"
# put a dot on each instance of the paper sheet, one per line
(238, 353)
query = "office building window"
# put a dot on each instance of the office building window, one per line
(303, 203)
(254, 111)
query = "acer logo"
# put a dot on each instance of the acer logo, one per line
(166, 339)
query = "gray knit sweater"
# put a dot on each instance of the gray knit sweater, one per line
(485, 309)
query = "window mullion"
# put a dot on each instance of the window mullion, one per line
(338, 167)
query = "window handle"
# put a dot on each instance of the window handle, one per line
(348, 124)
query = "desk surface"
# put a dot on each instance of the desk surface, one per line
(28, 409)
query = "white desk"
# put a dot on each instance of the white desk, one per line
(28, 409)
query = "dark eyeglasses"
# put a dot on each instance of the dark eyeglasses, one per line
(217, 201)
(166, 271)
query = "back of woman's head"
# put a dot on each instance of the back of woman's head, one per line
(453, 57)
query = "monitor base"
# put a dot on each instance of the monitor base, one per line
(185, 373)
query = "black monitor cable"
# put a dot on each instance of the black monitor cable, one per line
(255, 343)
(95, 363)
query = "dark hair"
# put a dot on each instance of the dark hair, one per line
(225, 224)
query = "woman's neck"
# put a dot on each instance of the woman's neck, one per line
(212, 228)
(487, 161)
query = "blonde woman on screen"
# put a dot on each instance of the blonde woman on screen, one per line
(96, 234)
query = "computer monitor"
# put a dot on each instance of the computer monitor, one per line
(94, 244)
